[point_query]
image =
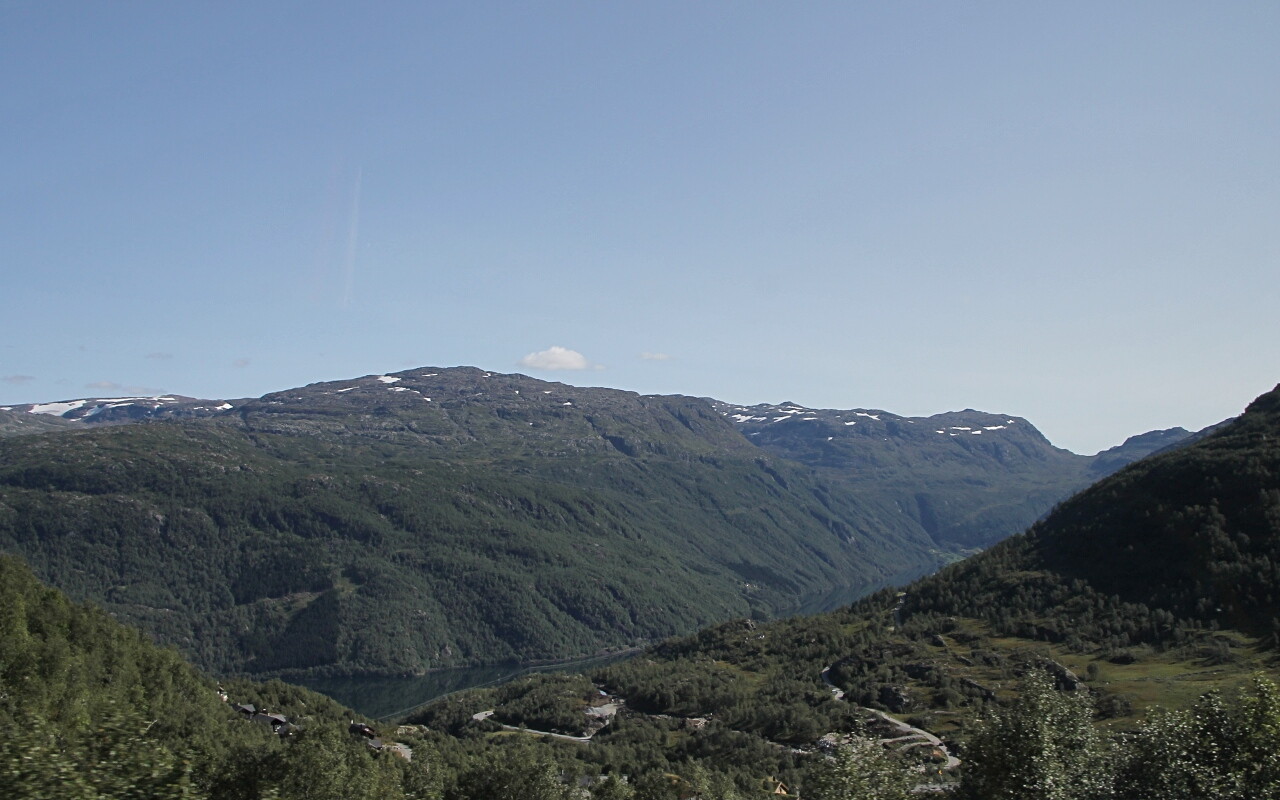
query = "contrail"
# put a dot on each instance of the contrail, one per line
(353, 233)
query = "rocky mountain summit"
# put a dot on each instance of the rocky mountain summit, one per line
(969, 478)
(109, 410)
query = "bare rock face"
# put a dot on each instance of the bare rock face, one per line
(895, 698)
(1064, 679)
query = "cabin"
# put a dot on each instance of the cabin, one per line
(278, 723)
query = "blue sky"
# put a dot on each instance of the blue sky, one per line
(1069, 212)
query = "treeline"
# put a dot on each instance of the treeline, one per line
(93, 710)
(275, 554)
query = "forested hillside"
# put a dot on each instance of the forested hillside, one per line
(399, 523)
(1028, 670)
(438, 517)
(1043, 662)
(92, 709)
(966, 478)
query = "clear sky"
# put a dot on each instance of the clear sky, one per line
(1064, 211)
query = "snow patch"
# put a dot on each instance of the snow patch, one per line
(224, 407)
(349, 388)
(993, 427)
(56, 409)
(855, 422)
(388, 379)
(876, 417)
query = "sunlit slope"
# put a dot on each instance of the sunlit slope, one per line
(966, 478)
(1150, 588)
(435, 517)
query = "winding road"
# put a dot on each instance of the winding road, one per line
(909, 736)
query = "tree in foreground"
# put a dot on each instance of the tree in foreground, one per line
(1215, 750)
(1045, 747)
(860, 770)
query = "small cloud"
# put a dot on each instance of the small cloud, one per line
(655, 356)
(18, 379)
(556, 357)
(112, 386)
(240, 363)
(160, 356)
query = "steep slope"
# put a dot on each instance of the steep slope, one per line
(1152, 587)
(967, 478)
(929, 473)
(93, 709)
(17, 423)
(1199, 525)
(434, 517)
(1138, 447)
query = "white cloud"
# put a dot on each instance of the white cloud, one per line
(112, 386)
(556, 357)
(18, 379)
(655, 356)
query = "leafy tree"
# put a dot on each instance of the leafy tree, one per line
(519, 772)
(1213, 751)
(1044, 747)
(113, 760)
(860, 770)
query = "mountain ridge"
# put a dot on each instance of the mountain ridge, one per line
(446, 516)
(360, 526)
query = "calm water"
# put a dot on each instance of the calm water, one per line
(384, 698)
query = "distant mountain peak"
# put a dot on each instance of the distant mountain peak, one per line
(123, 409)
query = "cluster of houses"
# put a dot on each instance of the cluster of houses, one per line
(278, 723)
(281, 726)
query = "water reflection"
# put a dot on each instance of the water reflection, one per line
(387, 698)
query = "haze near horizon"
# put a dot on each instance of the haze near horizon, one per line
(1062, 213)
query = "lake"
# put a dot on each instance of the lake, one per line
(385, 698)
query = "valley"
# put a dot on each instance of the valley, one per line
(395, 525)
(1031, 661)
